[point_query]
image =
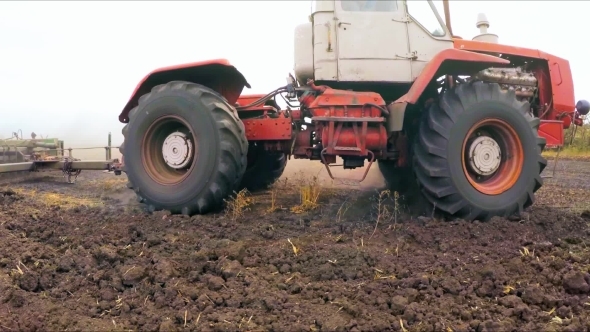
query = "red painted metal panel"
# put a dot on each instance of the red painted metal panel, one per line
(268, 129)
(552, 131)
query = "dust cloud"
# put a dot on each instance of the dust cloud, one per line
(86, 148)
(310, 168)
(95, 154)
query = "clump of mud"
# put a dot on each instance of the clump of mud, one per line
(9, 196)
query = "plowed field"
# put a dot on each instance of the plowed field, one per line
(87, 257)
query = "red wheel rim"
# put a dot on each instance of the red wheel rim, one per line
(493, 134)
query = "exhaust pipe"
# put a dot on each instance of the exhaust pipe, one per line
(448, 16)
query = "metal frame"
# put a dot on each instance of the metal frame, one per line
(70, 166)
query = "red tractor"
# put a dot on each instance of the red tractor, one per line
(382, 81)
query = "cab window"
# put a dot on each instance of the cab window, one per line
(423, 14)
(369, 5)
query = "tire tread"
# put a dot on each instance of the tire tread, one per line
(430, 161)
(232, 154)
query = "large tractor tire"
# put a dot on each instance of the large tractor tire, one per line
(264, 168)
(396, 178)
(185, 149)
(478, 154)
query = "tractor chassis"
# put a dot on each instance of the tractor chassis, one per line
(345, 124)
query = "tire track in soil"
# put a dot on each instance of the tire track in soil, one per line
(113, 267)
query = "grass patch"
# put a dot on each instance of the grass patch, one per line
(576, 144)
(569, 152)
(309, 194)
(61, 200)
(238, 204)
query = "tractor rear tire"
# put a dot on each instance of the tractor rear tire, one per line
(264, 170)
(185, 149)
(396, 178)
(446, 154)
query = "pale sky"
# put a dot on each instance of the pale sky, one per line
(68, 68)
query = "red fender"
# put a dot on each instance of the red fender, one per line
(217, 74)
(449, 62)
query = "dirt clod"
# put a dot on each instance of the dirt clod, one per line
(132, 275)
(575, 283)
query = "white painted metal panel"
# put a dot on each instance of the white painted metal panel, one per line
(427, 33)
(372, 41)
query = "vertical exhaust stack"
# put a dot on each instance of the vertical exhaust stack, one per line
(447, 11)
(483, 24)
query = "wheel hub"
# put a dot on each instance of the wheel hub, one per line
(177, 150)
(485, 155)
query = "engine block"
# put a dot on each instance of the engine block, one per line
(522, 82)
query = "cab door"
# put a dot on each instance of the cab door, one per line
(372, 41)
(427, 32)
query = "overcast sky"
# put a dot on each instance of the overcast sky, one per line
(68, 68)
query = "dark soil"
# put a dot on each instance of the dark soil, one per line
(85, 257)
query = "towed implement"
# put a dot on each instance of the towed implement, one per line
(23, 156)
(376, 82)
